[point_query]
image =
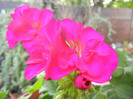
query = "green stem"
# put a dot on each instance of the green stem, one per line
(70, 77)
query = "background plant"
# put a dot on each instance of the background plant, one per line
(96, 22)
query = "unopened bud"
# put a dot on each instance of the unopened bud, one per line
(82, 83)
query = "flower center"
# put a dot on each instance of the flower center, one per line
(37, 25)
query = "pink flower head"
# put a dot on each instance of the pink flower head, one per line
(60, 48)
(41, 51)
(27, 25)
(88, 54)
(82, 83)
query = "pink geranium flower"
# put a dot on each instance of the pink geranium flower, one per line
(88, 54)
(40, 52)
(60, 48)
(27, 25)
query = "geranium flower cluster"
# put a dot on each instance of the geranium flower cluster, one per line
(60, 47)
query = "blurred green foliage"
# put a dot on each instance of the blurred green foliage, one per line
(3, 94)
(121, 4)
(98, 3)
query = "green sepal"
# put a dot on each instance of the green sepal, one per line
(92, 89)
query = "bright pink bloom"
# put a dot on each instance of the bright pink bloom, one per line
(88, 54)
(27, 25)
(82, 83)
(10, 38)
(61, 60)
(82, 50)
(40, 52)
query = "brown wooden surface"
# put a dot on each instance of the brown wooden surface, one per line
(121, 19)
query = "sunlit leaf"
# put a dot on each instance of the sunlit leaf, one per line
(36, 86)
(3, 94)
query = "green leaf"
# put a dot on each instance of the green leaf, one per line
(49, 86)
(92, 89)
(118, 72)
(3, 94)
(56, 95)
(122, 58)
(100, 96)
(103, 89)
(123, 86)
(90, 96)
(45, 96)
(114, 96)
(36, 86)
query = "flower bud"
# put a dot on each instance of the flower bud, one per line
(82, 83)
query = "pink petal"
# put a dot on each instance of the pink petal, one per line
(32, 14)
(94, 67)
(102, 64)
(69, 29)
(35, 58)
(11, 41)
(104, 77)
(34, 69)
(45, 16)
(58, 68)
(36, 48)
(109, 55)
(53, 29)
(55, 72)
(39, 51)
(19, 11)
(20, 29)
(89, 33)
